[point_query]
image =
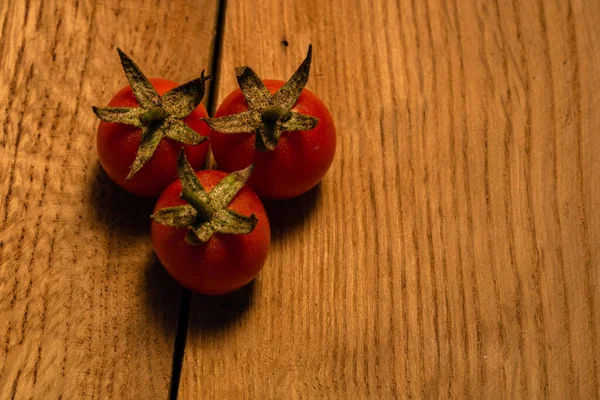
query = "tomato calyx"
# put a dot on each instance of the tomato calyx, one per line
(268, 115)
(207, 213)
(158, 116)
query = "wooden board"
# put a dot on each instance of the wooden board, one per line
(86, 310)
(452, 250)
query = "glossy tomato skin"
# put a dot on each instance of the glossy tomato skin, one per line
(226, 262)
(117, 146)
(300, 159)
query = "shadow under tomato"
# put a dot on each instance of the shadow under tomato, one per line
(163, 296)
(286, 216)
(117, 209)
(213, 314)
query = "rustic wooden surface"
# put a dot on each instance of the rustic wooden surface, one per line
(451, 251)
(86, 311)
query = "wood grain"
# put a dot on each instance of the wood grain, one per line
(452, 250)
(86, 311)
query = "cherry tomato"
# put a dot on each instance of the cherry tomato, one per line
(118, 144)
(300, 159)
(224, 263)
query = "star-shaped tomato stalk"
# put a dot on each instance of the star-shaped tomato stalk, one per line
(281, 127)
(210, 230)
(153, 117)
(206, 213)
(268, 114)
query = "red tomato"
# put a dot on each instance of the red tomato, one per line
(118, 144)
(300, 159)
(226, 262)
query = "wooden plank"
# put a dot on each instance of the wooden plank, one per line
(86, 310)
(452, 250)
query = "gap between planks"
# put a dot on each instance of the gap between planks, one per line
(186, 296)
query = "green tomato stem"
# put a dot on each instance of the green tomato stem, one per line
(153, 115)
